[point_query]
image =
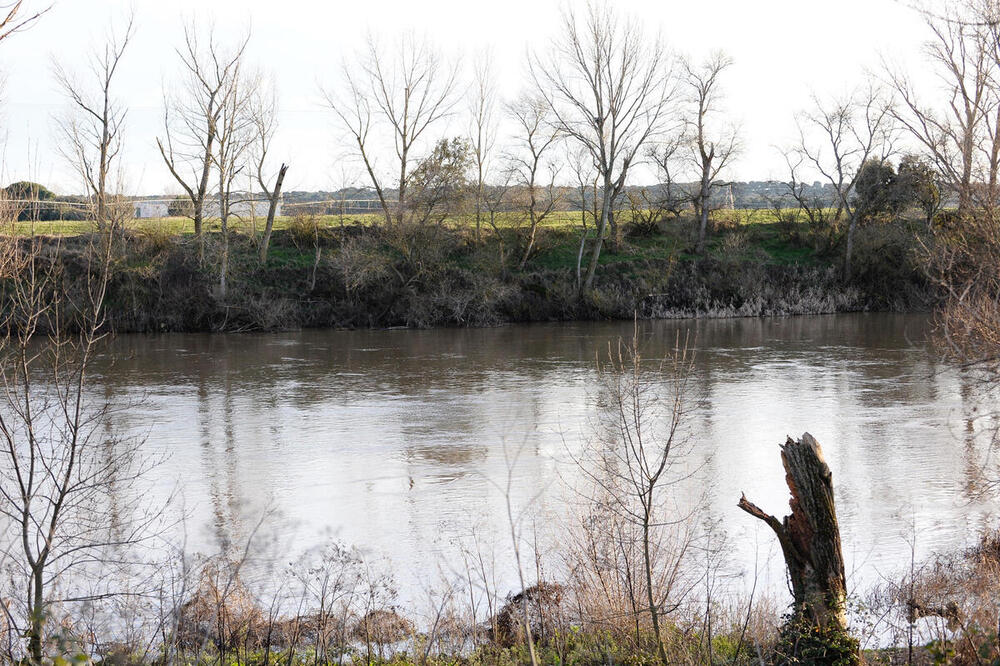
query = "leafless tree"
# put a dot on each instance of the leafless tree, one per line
(986, 15)
(963, 53)
(264, 117)
(496, 200)
(409, 91)
(712, 148)
(483, 130)
(668, 196)
(516, 517)
(92, 128)
(633, 466)
(15, 18)
(192, 115)
(235, 135)
(815, 208)
(837, 137)
(609, 88)
(535, 137)
(585, 184)
(71, 495)
(965, 151)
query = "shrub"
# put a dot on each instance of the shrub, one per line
(304, 229)
(725, 220)
(803, 643)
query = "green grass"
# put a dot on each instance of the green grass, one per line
(754, 234)
(558, 220)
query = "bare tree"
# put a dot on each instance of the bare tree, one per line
(669, 196)
(963, 53)
(836, 138)
(235, 135)
(92, 128)
(70, 492)
(609, 88)
(531, 159)
(483, 130)
(191, 117)
(712, 149)
(264, 117)
(585, 185)
(516, 518)
(410, 91)
(496, 200)
(634, 466)
(14, 19)
(815, 207)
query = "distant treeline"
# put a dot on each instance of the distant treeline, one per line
(754, 194)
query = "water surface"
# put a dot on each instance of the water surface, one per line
(394, 440)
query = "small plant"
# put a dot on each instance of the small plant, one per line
(802, 642)
(305, 229)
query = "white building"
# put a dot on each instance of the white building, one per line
(242, 206)
(152, 208)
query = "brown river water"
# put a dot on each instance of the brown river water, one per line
(396, 440)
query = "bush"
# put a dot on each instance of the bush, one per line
(803, 643)
(725, 220)
(304, 229)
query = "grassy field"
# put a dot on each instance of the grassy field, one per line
(746, 235)
(564, 220)
(744, 230)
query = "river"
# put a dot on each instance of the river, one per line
(397, 440)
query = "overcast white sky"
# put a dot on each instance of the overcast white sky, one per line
(783, 51)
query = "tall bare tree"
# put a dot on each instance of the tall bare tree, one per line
(610, 89)
(92, 128)
(408, 91)
(496, 200)
(70, 492)
(585, 184)
(962, 52)
(483, 130)
(235, 136)
(636, 465)
(837, 137)
(535, 137)
(712, 148)
(670, 195)
(192, 114)
(265, 122)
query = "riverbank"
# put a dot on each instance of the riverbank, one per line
(359, 276)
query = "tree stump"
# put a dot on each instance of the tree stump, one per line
(810, 536)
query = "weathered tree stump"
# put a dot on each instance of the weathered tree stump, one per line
(810, 536)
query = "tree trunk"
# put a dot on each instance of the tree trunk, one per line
(704, 197)
(599, 240)
(653, 610)
(198, 211)
(224, 230)
(274, 196)
(852, 226)
(583, 244)
(810, 536)
(616, 237)
(702, 228)
(37, 616)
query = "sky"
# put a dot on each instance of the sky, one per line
(784, 51)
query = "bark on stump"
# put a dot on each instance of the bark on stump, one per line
(810, 536)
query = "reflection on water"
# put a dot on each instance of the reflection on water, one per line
(389, 439)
